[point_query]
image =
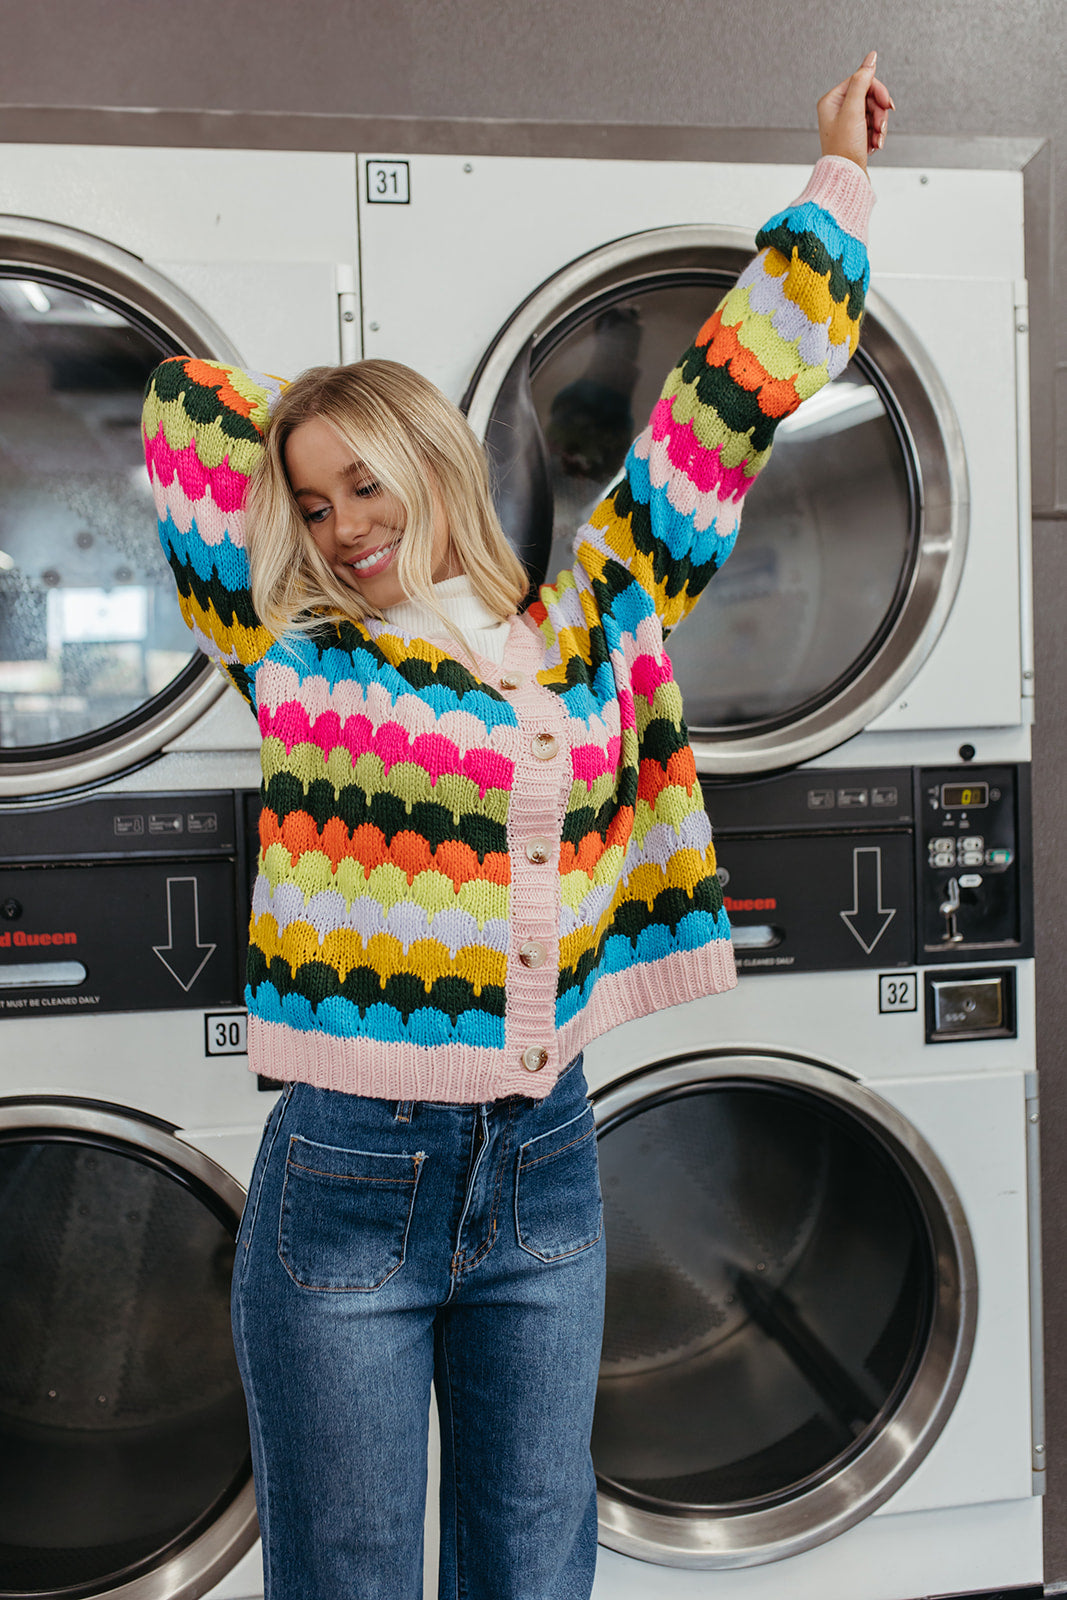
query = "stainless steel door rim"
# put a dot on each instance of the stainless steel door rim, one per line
(87, 264)
(194, 1569)
(933, 441)
(850, 1492)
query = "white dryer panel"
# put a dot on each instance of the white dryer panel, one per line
(254, 236)
(829, 1017)
(153, 1061)
(443, 273)
(947, 222)
(885, 1558)
(968, 1101)
(978, 1129)
(973, 676)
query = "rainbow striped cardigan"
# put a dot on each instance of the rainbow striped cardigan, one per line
(465, 876)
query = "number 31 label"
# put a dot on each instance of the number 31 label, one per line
(226, 1033)
(898, 991)
(388, 183)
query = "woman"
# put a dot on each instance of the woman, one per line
(482, 844)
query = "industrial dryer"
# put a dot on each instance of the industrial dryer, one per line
(858, 685)
(128, 1119)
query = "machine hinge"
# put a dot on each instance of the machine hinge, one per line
(1022, 428)
(349, 337)
(1037, 1344)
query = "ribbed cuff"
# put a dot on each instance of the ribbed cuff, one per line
(843, 189)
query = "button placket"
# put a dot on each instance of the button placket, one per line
(542, 776)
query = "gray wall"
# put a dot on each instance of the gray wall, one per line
(961, 70)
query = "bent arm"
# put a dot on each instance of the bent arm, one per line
(203, 424)
(789, 326)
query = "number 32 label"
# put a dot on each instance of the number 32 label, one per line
(898, 991)
(226, 1033)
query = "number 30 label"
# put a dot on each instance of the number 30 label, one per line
(226, 1033)
(388, 183)
(898, 991)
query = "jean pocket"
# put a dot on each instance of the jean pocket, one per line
(345, 1215)
(557, 1190)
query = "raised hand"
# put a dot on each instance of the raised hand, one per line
(854, 115)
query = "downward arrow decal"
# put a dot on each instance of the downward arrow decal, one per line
(868, 919)
(183, 955)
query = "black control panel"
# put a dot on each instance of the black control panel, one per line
(140, 902)
(826, 869)
(123, 903)
(969, 865)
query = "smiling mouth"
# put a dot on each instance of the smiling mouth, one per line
(375, 559)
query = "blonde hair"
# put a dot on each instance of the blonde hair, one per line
(415, 443)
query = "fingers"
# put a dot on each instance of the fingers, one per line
(880, 93)
(879, 103)
(853, 116)
(858, 88)
(877, 123)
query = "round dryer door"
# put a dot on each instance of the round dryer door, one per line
(124, 1451)
(854, 536)
(791, 1303)
(97, 668)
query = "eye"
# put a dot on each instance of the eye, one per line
(366, 490)
(318, 515)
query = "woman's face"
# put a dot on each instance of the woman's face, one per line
(355, 524)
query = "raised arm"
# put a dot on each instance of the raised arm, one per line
(203, 427)
(788, 327)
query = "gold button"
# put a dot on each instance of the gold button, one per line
(544, 746)
(538, 851)
(535, 1058)
(511, 680)
(532, 953)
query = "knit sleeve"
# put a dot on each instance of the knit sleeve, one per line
(203, 425)
(789, 326)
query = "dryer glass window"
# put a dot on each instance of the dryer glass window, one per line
(90, 631)
(830, 533)
(769, 1299)
(122, 1422)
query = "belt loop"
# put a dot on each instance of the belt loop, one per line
(404, 1108)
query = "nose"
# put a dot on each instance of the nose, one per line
(351, 520)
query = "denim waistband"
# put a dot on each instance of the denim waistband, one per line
(405, 1109)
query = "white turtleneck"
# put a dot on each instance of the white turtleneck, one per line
(483, 631)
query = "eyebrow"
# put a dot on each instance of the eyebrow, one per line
(354, 470)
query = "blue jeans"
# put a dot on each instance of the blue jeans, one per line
(384, 1247)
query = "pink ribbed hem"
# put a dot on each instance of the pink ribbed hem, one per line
(462, 1075)
(841, 187)
(644, 990)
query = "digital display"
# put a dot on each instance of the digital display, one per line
(964, 796)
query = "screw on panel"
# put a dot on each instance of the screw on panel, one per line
(924, 178)
(374, 327)
(467, 167)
